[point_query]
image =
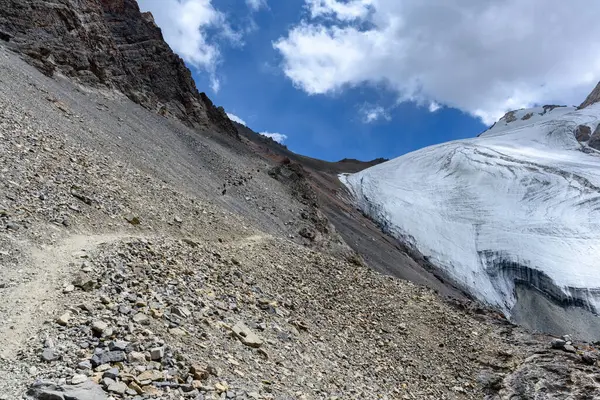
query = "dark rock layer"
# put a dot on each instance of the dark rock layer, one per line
(110, 44)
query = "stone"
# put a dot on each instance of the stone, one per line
(107, 357)
(49, 355)
(102, 368)
(221, 387)
(157, 353)
(78, 378)
(118, 345)
(141, 319)
(117, 387)
(107, 382)
(68, 289)
(112, 373)
(85, 365)
(84, 282)
(569, 348)
(589, 358)
(132, 219)
(176, 331)
(558, 344)
(86, 307)
(99, 327)
(151, 391)
(197, 384)
(151, 375)
(63, 320)
(136, 357)
(136, 388)
(246, 336)
(182, 312)
(87, 390)
(198, 372)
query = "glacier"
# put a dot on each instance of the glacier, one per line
(518, 204)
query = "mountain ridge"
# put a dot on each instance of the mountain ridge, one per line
(109, 44)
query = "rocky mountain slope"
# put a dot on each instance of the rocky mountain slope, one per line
(509, 215)
(144, 257)
(127, 275)
(109, 44)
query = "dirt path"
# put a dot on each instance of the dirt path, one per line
(35, 297)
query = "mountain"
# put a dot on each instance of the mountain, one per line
(109, 44)
(510, 215)
(150, 248)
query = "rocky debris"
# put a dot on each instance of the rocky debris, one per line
(315, 227)
(253, 334)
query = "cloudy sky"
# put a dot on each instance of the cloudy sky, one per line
(379, 78)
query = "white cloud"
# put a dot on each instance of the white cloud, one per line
(481, 56)
(372, 113)
(184, 24)
(278, 137)
(237, 119)
(256, 5)
(433, 106)
(345, 11)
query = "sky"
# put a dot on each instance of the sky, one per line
(365, 79)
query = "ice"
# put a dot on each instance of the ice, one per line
(522, 195)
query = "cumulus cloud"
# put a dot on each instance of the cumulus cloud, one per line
(481, 56)
(372, 113)
(185, 24)
(278, 137)
(237, 119)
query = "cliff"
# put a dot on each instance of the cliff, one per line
(109, 44)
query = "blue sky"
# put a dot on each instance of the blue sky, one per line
(379, 78)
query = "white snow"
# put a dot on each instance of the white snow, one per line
(523, 191)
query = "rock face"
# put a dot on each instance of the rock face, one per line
(595, 139)
(592, 98)
(109, 44)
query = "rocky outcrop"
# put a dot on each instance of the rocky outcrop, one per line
(582, 133)
(109, 43)
(595, 139)
(592, 98)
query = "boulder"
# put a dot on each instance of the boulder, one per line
(87, 390)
